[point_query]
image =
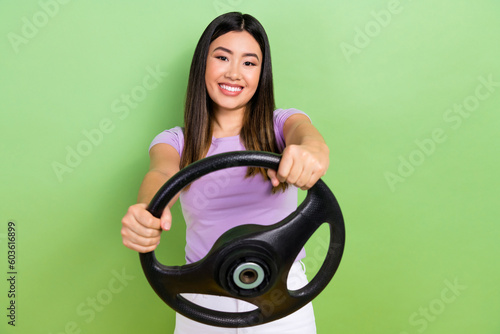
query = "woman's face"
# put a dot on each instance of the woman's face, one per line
(233, 70)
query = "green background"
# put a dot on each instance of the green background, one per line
(384, 82)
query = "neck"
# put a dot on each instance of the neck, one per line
(227, 123)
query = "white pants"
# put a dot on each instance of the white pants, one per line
(299, 322)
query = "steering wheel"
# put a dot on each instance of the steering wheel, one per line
(248, 262)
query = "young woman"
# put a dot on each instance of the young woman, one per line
(230, 107)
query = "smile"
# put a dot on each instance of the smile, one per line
(231, 88)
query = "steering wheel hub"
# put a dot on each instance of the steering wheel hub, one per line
(248, 275)
(247, 271)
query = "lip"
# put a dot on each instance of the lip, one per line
(228, 92)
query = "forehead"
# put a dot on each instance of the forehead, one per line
(237, 42)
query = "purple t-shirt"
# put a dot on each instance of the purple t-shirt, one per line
(224, 199)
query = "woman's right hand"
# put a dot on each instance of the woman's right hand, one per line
(141, 231)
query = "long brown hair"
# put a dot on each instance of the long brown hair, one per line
(257, 132)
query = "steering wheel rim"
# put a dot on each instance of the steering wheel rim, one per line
(274, 248)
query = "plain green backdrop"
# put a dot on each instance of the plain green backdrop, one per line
(406, 94)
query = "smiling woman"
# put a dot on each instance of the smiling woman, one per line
(230, 107)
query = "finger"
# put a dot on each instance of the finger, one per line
(315, 176)
(129, 223)
(166, 219)
(141, 222)
(306, 177)
(140, 248)
(284, 167)
(309, 183)
(272, 176)
(143, 241)
(137, 242)
(144, 217)
(296, 173)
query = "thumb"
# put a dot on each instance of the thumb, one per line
(272, 175)
(166, 219)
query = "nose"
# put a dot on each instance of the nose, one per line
(233, 72)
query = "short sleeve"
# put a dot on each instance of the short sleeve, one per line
(174, 137)
(280, 116)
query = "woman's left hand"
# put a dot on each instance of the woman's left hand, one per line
(301, 165)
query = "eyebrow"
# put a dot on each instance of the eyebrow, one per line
(231, 52)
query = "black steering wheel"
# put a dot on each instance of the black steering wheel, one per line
(248, 262)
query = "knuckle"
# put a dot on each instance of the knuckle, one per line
(126, 221)
(319, 168)
(146, 220)
(305, 154)
(132, 209)
(128, 244)
(151, 233)
(146, 249)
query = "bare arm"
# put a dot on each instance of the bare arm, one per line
(306, 156)
(164, 163)
(140, 230)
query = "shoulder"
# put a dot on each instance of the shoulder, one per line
(173, 137)
(281, 115)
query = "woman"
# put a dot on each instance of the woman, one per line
(230, 107)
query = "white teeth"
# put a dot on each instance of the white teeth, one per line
(231, 89)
